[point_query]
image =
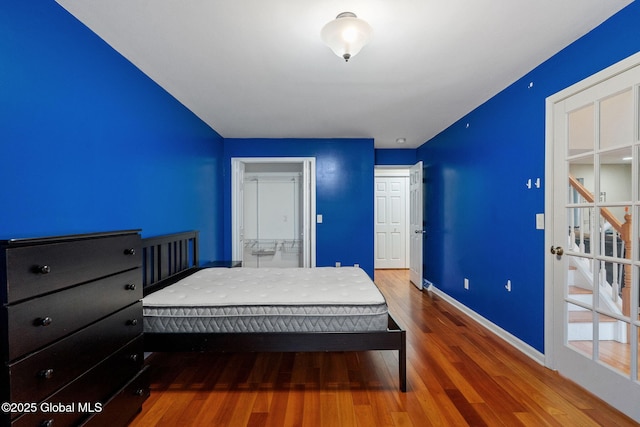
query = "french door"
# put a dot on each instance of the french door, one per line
(593, 254)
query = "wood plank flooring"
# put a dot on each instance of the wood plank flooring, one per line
(458, 374)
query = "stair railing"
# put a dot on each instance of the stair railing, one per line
(624, 230)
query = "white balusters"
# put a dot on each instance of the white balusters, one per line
(615, 285)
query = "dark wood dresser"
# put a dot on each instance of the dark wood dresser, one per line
(71, 330)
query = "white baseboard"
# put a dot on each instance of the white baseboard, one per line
(506, 336)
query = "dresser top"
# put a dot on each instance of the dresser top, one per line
(68, 238)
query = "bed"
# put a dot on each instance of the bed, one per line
(223, 308)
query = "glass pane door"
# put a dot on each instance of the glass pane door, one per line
(595, 250)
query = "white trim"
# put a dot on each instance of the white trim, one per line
(549, 322)
(497, 330)
(396, 171)
(237, 177)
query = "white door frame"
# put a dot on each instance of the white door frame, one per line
(309, 204)
(398, 171)
(626, 401)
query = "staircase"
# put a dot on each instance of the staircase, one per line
(614, 282)
(580, 326)
(580, 320)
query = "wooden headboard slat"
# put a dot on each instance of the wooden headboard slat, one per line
(165, 257)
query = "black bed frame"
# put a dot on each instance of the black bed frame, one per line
(167, 259)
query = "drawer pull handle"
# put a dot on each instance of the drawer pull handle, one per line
(139, 392)
(42, 269)
(133, 357)
(130, 251)
(43, 321)
(46, 374)
(47, 423)
(132, 322)
(130, 286)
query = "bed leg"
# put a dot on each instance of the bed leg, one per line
(402, 363)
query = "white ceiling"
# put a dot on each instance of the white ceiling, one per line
(258, 69)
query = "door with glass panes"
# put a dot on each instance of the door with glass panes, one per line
(593, 245)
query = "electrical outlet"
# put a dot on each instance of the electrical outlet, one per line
(338, 264)
(466, 283)
(356, 265)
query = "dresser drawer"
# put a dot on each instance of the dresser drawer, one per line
(47, 370)
(47, 267)
(34, 323)
(90, 393)
(125, 405)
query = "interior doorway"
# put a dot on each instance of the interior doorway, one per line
(273, 212)
(399, 223)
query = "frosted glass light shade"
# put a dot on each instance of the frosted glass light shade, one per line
(346, 35)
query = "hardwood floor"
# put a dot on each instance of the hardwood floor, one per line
(458, 374)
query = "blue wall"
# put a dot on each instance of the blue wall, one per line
(89, 143)
(480, 217)
(344, 193)
(395, 157)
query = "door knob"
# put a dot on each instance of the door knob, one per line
(420, 231)
(557, 250)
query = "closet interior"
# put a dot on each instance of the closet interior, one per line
(272, 215)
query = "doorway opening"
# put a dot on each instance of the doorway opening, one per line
(273, 207)
(399, 223)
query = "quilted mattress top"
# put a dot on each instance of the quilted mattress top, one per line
(269, 286)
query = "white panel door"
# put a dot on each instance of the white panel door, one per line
(390, 222)
(416, 230)
(593, 267)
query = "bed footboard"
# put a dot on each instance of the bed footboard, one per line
(394, 338)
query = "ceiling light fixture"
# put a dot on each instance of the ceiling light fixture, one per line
(401, 140)
(346, 35)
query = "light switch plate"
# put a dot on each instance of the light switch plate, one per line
(540, 221)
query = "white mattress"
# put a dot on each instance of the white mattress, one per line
(322, 299)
